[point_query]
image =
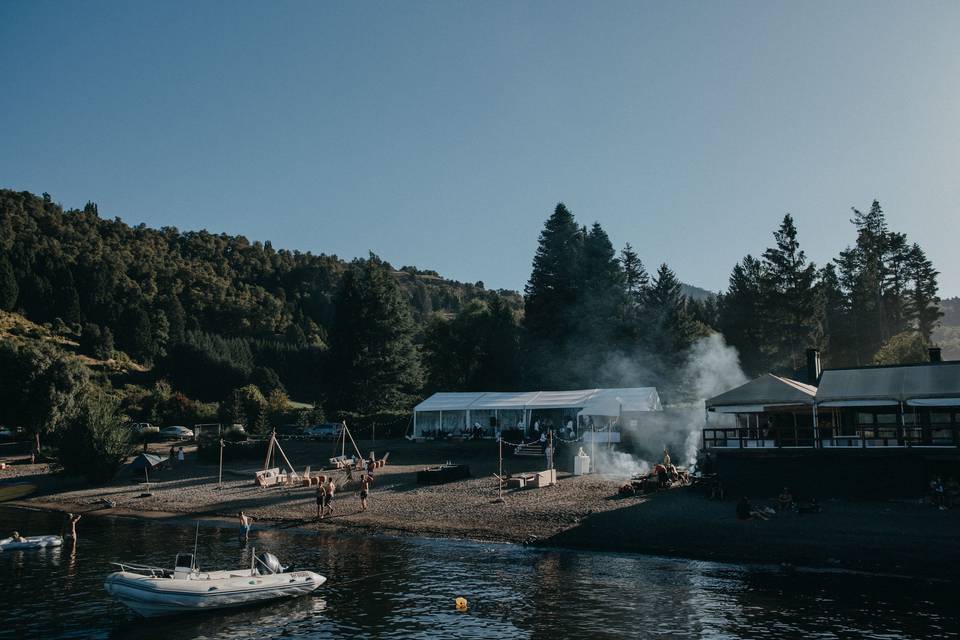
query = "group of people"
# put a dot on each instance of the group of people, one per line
(68, 531)
(176, 454)
(785, 502)
(541, 429)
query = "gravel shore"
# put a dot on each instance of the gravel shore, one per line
(579, 512)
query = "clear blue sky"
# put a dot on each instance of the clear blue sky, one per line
(442, 134)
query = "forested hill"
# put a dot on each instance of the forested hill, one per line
(144, 291)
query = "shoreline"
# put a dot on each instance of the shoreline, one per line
(298, 528)
(579, 513)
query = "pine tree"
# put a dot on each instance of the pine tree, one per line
(374, 365)
(636, 278)
(600, 309)
(673, 330)
(551, 293)
(741, 314)
(789, 299)
(923, 303)
(551, 302)
(836, 339)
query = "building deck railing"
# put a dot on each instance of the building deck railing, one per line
(825, 438)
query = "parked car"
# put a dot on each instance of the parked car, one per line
(141, 427)
(325, 431)
(291, 430)
(176, 433)
(6, 434)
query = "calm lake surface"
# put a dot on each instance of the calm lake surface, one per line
(405, 588)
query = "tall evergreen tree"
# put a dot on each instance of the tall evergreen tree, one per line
(551, 302)
(600, 309)
(673, 330)
(374, 365)
(552, 291)
(836, 338)
(923, 303)
(789, 298)
(636, 278)
(741, 314)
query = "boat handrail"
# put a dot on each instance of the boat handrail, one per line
(142, 568)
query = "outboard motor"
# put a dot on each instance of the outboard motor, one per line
(269, 564)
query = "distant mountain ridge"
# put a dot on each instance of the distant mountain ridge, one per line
(696, 293)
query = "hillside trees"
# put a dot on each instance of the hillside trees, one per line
(9, 290)
(592, 317)
(477, 349)
(880, 288)
(373, 363)
(40, 387)
(175, 297)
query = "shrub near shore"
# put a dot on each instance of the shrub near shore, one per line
(96, 442)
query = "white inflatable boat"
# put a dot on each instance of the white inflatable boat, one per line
(31, 542)
(152, 591)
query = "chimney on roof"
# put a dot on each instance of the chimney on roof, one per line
(813, 366)
(935, 354)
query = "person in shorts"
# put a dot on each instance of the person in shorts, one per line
(364, 491)
(321, 497)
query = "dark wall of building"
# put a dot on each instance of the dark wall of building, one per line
(823, 474)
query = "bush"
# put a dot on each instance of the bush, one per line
(96, 442)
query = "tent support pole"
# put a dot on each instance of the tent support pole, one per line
(816, 428)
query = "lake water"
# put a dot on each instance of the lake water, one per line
(405, 588)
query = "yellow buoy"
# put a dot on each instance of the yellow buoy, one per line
(461, 604)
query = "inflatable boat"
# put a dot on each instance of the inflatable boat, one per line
(152, 591)
(31, 542)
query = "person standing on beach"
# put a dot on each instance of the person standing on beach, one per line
(364, 491)
(331, 487)
(180, 456)
(321, 497)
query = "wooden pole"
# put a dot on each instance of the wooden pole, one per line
(266, 461)
(220, 476)
(500, 477)
(593, 446)
(352, 441)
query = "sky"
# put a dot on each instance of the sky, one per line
(443, 134)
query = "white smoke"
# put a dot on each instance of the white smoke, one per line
(611, 463)
(711, 367)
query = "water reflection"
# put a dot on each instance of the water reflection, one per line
(388, 588)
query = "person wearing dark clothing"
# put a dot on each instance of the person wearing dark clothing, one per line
(321, 497)
(743, 509)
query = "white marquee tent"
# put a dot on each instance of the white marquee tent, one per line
(455, 411)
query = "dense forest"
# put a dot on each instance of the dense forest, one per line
(193, 325)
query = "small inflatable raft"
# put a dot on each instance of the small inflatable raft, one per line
(30, 542)
(152, 591)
